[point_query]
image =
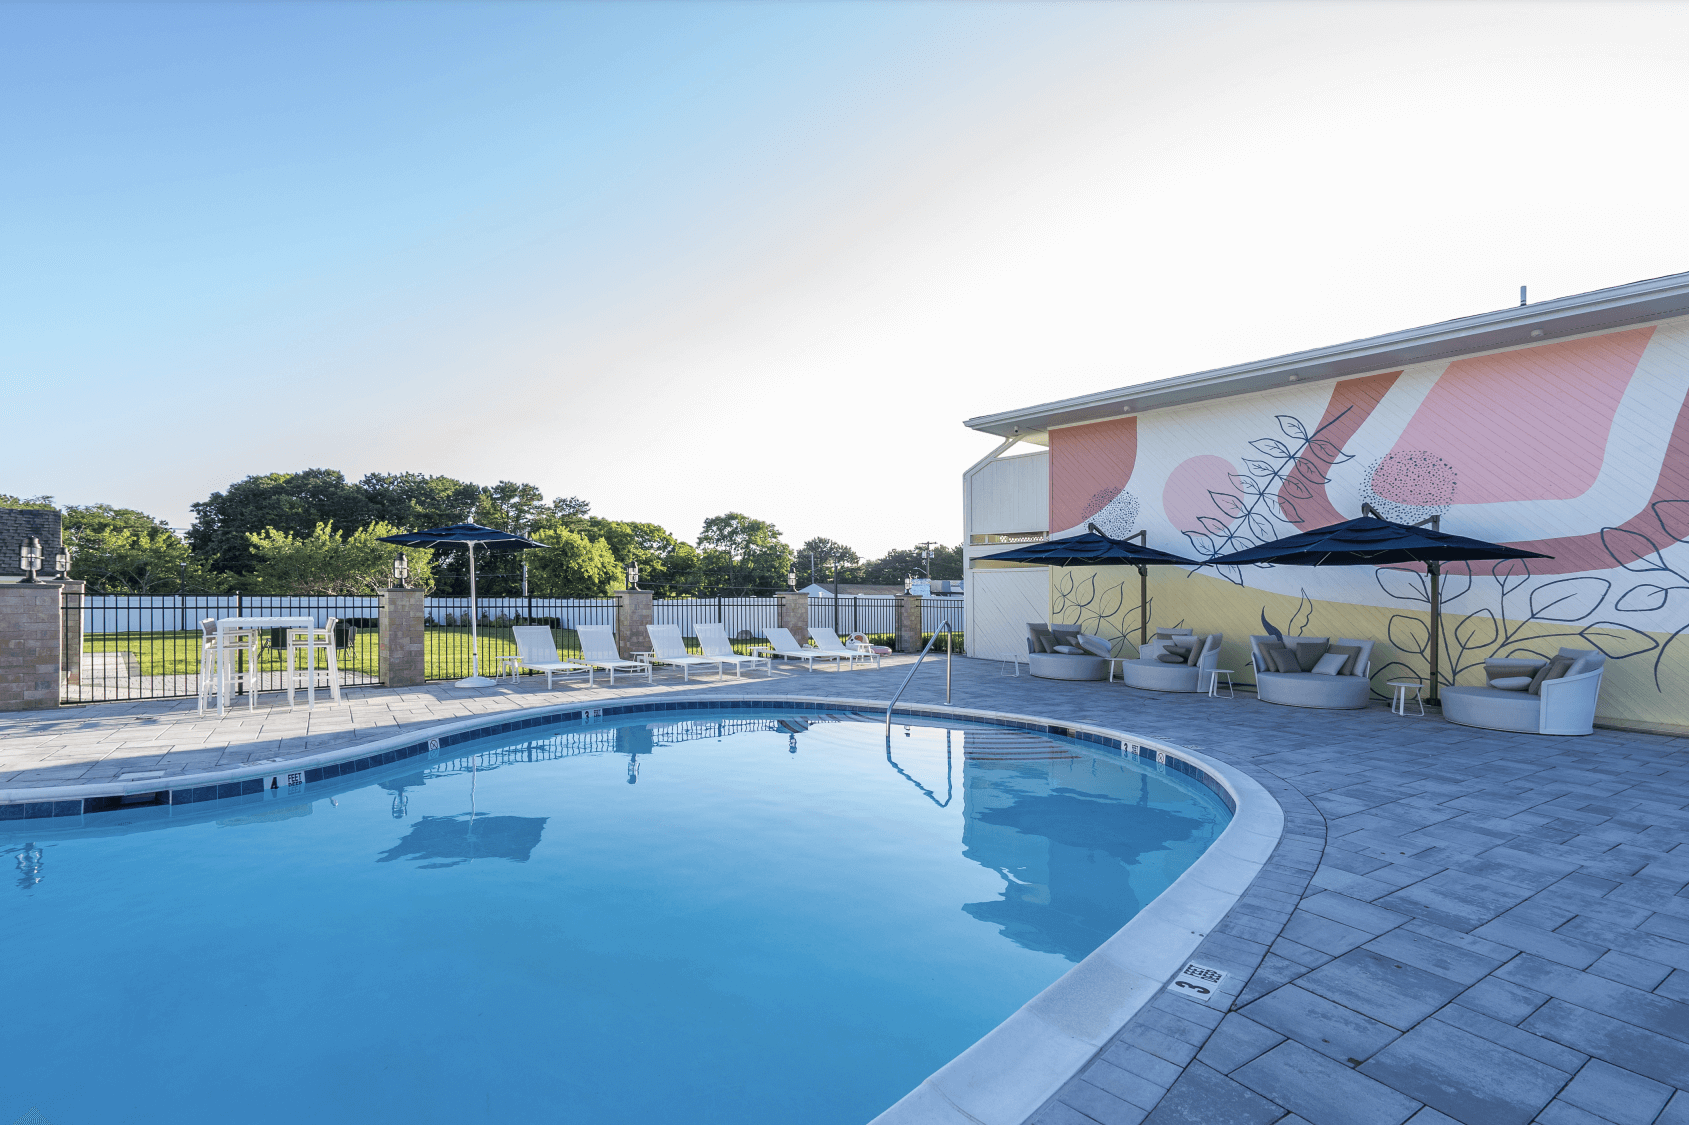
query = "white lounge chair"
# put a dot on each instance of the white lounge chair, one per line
(598, 648)
(1195, 673)
(828, 641)
(712, 638)
(786, 647)
(537, 651)
(1349, 689)
(670, 648)
(1564, 705)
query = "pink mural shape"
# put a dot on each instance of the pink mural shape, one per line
(1550, 407)
(1186, 496)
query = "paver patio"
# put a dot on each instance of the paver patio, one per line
(1458, 925)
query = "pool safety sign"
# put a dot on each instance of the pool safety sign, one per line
(1197, 982)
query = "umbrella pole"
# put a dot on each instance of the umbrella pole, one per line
(1434, 570)
(1143, 605)
(475, 621)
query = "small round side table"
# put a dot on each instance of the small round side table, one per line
(1214, 683)
(1398, 704)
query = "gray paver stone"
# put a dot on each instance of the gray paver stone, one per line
(1466, 1077)
(1203, 1096)
(1322, 1090)
(1618, 1095)
(1392, 992)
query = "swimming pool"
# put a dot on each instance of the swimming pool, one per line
(683, 918)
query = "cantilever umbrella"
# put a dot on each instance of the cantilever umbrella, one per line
(1096, 549)
(468, 535)
(1370, 541)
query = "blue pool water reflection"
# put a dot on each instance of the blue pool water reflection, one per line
(710, 920)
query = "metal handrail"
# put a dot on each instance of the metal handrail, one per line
(949, 650)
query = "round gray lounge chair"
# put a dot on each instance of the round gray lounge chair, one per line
(1565, 707)
(1062, 652)
(1152, 674)
(1311, 689)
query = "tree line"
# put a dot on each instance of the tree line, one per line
(315, 532)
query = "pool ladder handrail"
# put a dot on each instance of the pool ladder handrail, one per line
(949, 651)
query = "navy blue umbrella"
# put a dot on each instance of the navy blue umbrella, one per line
(1096, 549)
(470, 536)
(1370, 541)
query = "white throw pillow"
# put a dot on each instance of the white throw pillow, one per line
(1511, 683)
(1332, 663)
(1095, 645)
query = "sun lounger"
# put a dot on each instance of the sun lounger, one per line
(598, 648)
(712, 638)
(536, 651)
(828, 641)
(786, 647)
(670, 648)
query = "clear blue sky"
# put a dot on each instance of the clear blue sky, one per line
(682, 258)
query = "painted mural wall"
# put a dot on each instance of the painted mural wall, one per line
(1578, 449)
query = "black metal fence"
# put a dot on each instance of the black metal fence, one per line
(446, 632)
(746, 620)
(120, 648)
(868, 613)
(935, 612)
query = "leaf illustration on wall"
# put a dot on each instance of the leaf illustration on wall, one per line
(1297, 489)
(1568, 599)
(1477, 630)
(1108, 602)
(1227, 503)
(1511, 574)
(1328, 452)
(1271, 629)
(1230, 574)
(1302, 616)
(1292, 426)
(1632, 550)
(1673, 517)
(1618, 641)
(1272, 447)
(1409, 634)
(1259, 468)
(1403, 585)
(1645, 598)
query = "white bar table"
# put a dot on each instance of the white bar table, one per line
(227, 625)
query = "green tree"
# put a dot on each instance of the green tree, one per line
(31, 502)
(415, 501)
(817, 556)
(894, 566)
(509, 506)
(572, 566)
(738, 552)
(326, 562)
(121, 550)
(292, 504)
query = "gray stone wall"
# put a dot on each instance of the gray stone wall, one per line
(633, 614)
(18, 524)
(908, 623)
(30, 649)
(402, 663)
(794, 615)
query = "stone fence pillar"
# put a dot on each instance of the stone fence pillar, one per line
(402, 660)
(31, 645)
(794, 615)
(908, 623)
(633, 614)
(70, 659)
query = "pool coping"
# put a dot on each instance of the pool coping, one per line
(1003, 1078)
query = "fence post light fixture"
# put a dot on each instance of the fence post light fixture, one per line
(61, 563)
(29, 558)
(633, 576)
(792, 579)
(402, 570)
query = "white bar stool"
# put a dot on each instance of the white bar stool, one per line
(307, 641)
(227, 650)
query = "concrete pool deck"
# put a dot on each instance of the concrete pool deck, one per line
(1458, 924)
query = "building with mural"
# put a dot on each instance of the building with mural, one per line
(1559, 427)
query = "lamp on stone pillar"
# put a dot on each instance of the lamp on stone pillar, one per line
(61, 563)
(29, 558)
(633, 576)
(401, 571)
(792, 579)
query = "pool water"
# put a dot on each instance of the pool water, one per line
(710, 920)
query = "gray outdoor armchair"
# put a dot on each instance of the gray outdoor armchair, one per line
(1348, 687)
(1566, 693)
(1150, 672)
